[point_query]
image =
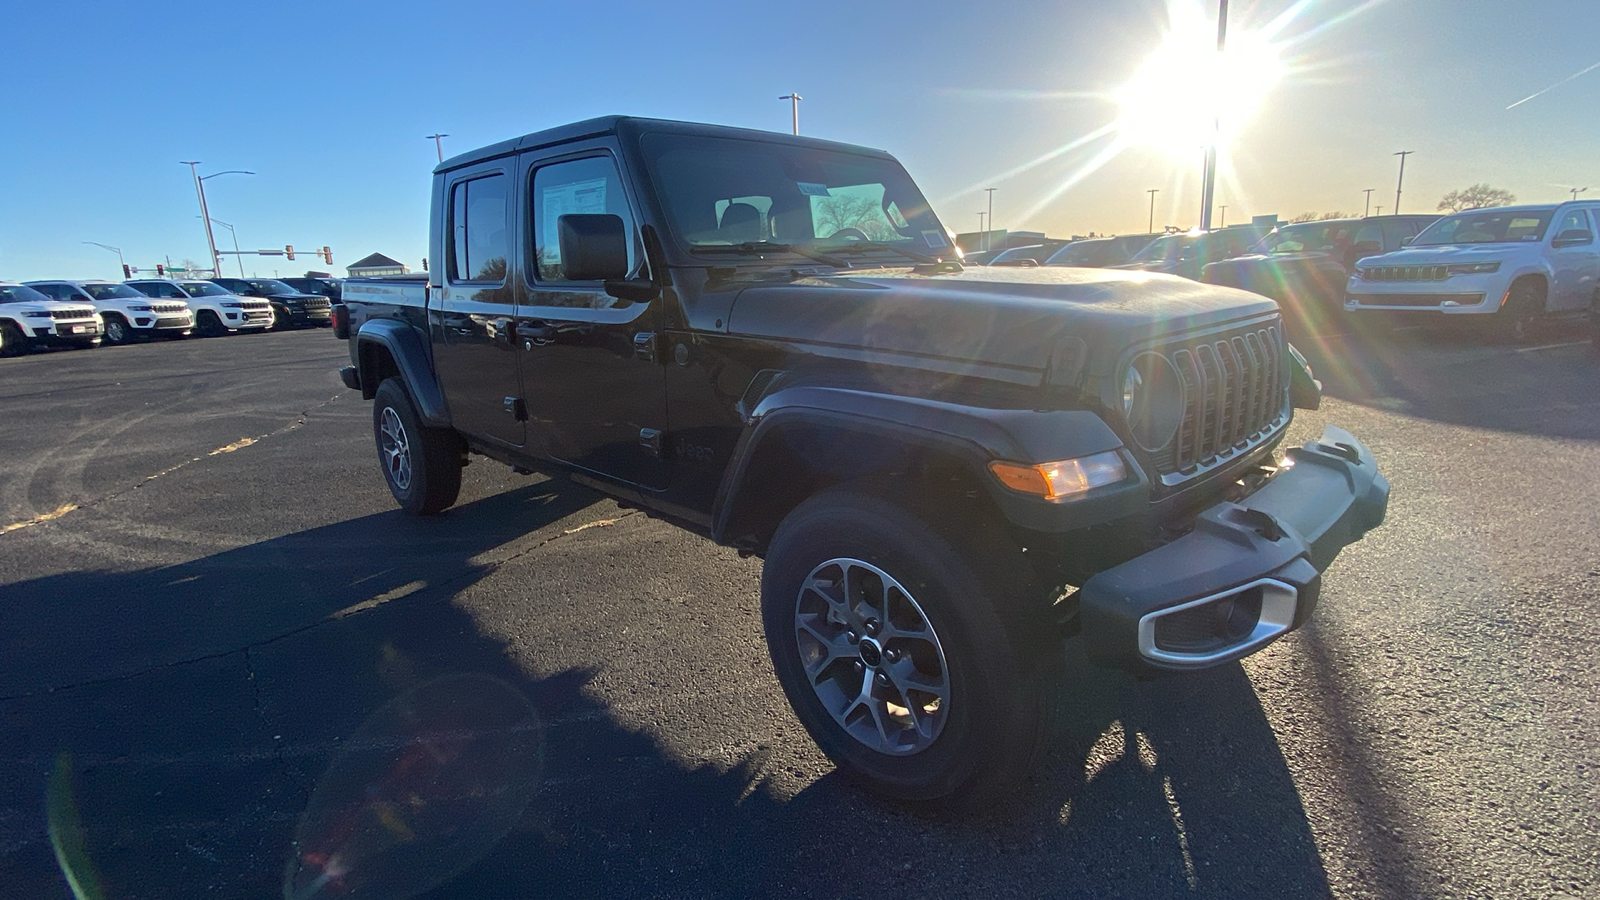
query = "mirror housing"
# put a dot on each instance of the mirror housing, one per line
(1366, 248)
(593, 247)
(1572, 236)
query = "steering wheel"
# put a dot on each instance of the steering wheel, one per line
(850, 234)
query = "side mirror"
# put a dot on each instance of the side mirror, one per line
(1571, 237)
(1406, 242)
(1366, 248)
(593, 247)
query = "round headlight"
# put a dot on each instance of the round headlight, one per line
(1152, 401)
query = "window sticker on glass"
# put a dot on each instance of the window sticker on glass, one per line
(935, 240)
(577, 197)
(812, 189)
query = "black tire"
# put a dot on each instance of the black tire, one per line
(991, 646)
(1524, 305)
(118, 331)
(209, 324)
(422, 466)
(12, 341)
(280, 319)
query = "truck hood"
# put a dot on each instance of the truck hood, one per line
(1445, 253)
(1007, 316)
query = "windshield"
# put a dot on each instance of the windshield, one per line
(1495, 226)
(1316, 236)
(112, 292)
(19, 293)
(272, 286)
(726, 192)
(203, 289)
(1172, 246)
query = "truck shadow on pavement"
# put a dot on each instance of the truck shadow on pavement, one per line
(201, 703)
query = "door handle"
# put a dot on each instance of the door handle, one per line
(537, 333)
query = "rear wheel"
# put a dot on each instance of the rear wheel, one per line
(117, 330)
(421, 465)
(913, 655)
(1523, 306)
(12, 343)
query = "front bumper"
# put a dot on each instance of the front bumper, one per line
(1246, 574)
(1458, 296)
(75, 333)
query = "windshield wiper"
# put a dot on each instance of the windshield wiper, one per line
(855, 246)
(758, 248)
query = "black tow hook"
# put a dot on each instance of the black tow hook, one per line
(1341, 449)
(1263, 523)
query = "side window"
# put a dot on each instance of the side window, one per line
(1574, 220)
(584, 186)
(479, 245)
(1395, 231)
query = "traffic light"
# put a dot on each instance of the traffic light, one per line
(126, 272)
(327, 255)
(161, 271)
(288, 251)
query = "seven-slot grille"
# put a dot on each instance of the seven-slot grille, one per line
(317, 304)
(1234, 388)
(1404, 273)
(162, 309)
(77, 312)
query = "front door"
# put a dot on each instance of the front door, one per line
(596, 391)
(1575, 264)
(474, 350)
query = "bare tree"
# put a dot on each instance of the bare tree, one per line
(861, 213)
(1305, 217)
(1478, 196)
(1336, 215)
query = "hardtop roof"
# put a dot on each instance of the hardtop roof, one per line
(629, 126)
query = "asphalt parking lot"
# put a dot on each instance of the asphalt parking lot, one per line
(212, 614)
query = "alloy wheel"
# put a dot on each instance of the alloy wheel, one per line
(395, 449)
(872, 656)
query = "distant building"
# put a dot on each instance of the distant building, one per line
(376, 264)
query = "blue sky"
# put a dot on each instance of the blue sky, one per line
(329, 104)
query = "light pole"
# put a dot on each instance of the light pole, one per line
(118, 252)
(981, 232)
(438, 144)
(200, 189)
(1152, 192)
(237, 256)
(991, 217)
(1208, 184)
(1368, 191)
(1577, 191)
(1224, 209)
(1379, 209)
(1398, 184)
(794, 108)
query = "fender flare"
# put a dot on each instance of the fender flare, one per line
(410, 355)
(972, 436)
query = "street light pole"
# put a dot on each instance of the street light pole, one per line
(981, 232)
(438, 144)
(1398, 184)
(1208, 186)
(1368, 191)
(1577, 191)
(237, 256)
(1380, 209)
(1152, 192)
(991, 217)
(118, 252)
(794, 108)
(205, 213)
(1224, 209)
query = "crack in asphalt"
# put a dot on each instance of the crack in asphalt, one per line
(336, 616)
(299, 420)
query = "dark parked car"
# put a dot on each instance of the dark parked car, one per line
(925, 454)
(289, 306)
(1098, 253)
(1187, 253)
(332, 288)
(1305, 266)
(1031, 255)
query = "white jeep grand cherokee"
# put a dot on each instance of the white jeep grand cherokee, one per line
(217, 310)
(1515, 263)
(30, 319)
(127, 314)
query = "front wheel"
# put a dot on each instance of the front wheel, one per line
(421, 465)
(914, 657)
(117, 330)
(210, 324)
(1523, 306)
(12, 343)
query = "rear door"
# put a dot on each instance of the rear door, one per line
(474, 350)
(596, 390)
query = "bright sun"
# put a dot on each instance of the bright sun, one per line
(1186, 95)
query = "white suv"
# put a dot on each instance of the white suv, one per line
(1515, 263)
(217, 310)
(31, 319)
(125, 312)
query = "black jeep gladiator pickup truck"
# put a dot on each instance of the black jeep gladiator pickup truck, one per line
(947, 471)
